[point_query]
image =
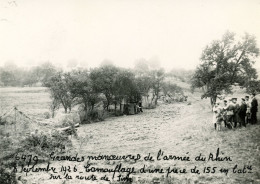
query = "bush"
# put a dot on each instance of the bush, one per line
(2, 121)
(46, 115)
(5, 142)
(151, 106)
(7, 177)
(118, 113)
(69, 119)
(102, 115)
(36, 145)
(39, 145)
(95, 116)
(46, 143)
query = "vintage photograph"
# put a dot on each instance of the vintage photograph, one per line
(129, 92)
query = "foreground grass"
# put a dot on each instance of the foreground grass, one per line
(175, 129)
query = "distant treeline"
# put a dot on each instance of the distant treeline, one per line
(11, 75)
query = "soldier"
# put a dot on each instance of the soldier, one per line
(248, 110)
(230, 114)
(242, 113)
(215, 114)
(140, 106)
(254, 105)
(225, 112)
(236, 110)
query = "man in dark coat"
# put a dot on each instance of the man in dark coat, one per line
(248, 110)
(242, 113)
(225, 112)
(236, 109)
(254, 105)
(230, 114)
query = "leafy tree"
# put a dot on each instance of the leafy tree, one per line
(8, 78)
(54, 105)
(149, 79)
(157, 77)
(141, 67)
(125, 87)
(81, 88)
(224, 63)
(253, 86)
(60, 91)
(181, 74)
(45, 72)
(29, 78)
(103, 79)
(170, 90)
(144, 84)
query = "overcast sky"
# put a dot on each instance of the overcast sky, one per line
(123, 31)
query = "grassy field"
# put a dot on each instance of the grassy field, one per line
(178, 129)
(34, 101)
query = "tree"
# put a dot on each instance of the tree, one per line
(8, 78)
(54, 105)
(253, 86)
(45, 72)
(224, 63)
(157, 77)
(82, 90)
(103, 79)
(60, 90)
(29, 78)
(125, 87)
(144, 84)
(170, 90)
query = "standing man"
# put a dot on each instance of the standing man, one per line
(225, 112)
(230, 114)
(242, 113)
(236, 110)
(254, 105)
(216, 111)
(248, 110)
(140, 106)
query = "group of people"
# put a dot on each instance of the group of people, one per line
(232, 114)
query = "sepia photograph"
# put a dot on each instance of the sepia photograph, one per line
(129, 92)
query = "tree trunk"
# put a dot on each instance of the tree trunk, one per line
(155, 101)
(213, 100)
(52, 113)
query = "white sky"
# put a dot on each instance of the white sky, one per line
(123, 31)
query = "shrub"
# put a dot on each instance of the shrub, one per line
(7, 177)
(46, 115)
(5, 142)
(118, 113)
(2, 133)
(39, 145)
(95, 116)
(151, 106)
(69, 119)
(55, 141)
